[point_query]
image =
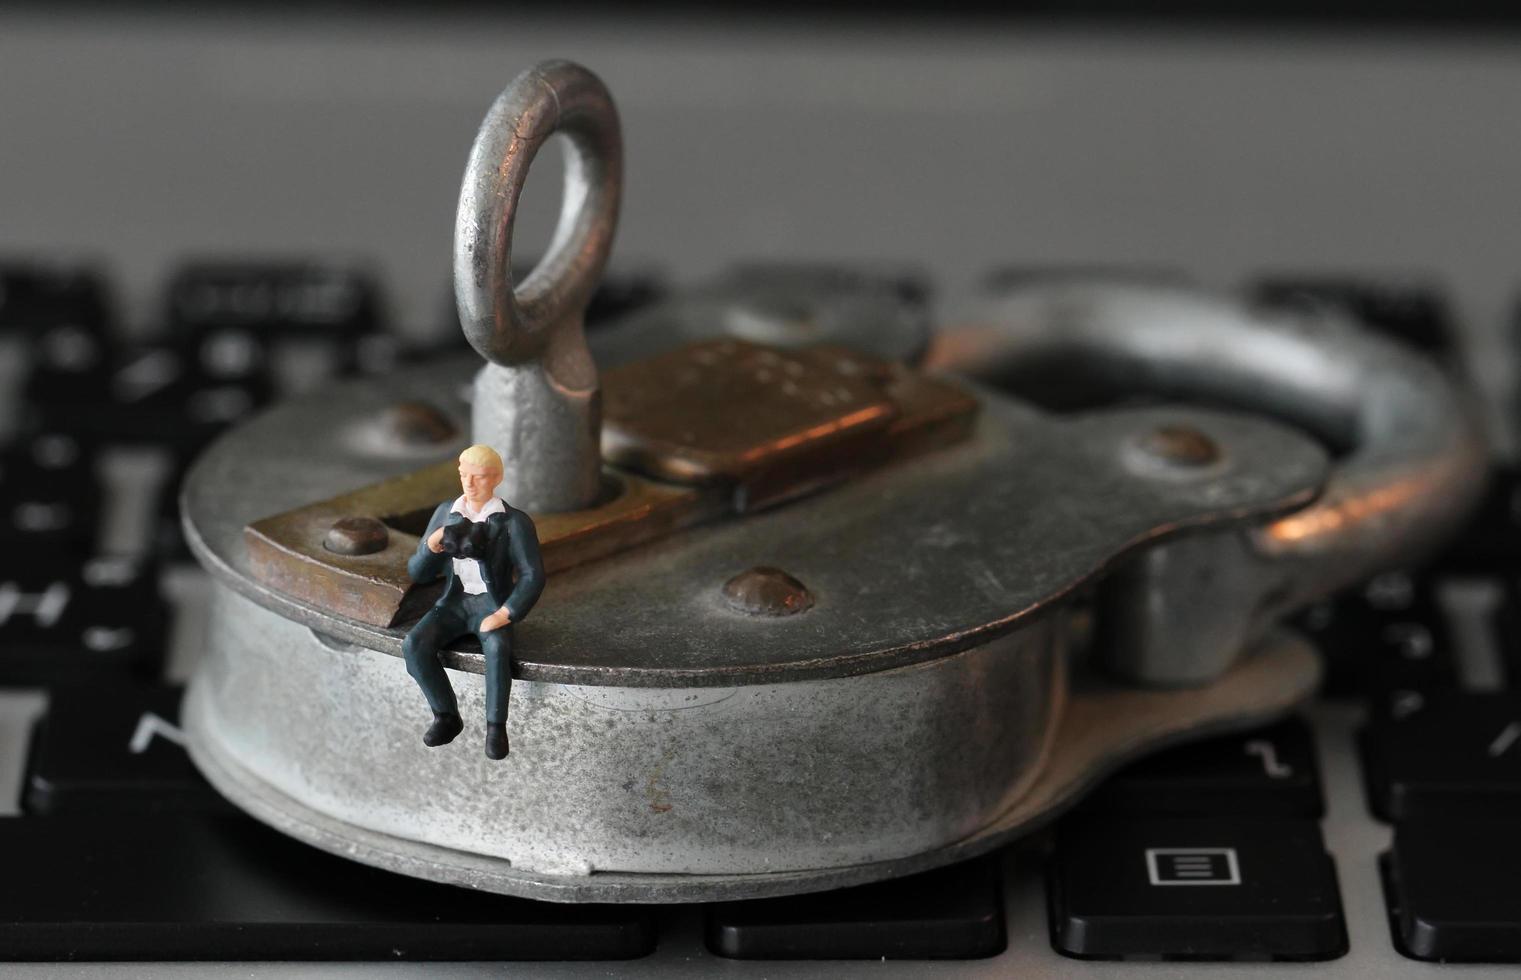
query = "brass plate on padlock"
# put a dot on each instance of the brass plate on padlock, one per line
(772, 424)
(287, 551)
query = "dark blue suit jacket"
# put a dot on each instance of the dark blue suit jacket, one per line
(513, 571)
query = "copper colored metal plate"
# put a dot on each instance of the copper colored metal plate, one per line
(720, 410)
(772, 424)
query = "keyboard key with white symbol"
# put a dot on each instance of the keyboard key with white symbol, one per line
(1265, 772)
(1193, 866)
(153, 395)
(49, 494)
(290, 298)
(102, 619)
(113, 748)
(66, 361)
(1451, 754)
(1389, 634)
(1507, 627)
(1189, 888)
(62, 315)
(303, 319)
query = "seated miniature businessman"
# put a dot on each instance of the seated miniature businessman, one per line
(489, 554)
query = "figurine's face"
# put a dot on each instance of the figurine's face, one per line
(478, 482)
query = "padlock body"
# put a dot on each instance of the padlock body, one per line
(743, 780)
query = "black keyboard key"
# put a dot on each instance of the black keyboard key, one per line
(301, 299)
(1182, 888)
(182, 886)
(305, 321)
(60, 517)
(1491, 541)
(102, 620)
(1445, 753)
(1506, 626)
(47, 455)
(1414, 312)
(110, 749)
(1389, 635)
(950, 913)
(68, 365)
(156, 395)
(63, 318)
(1266, 772)
(1451, 888)
(168, 542)
(228, 354)
(50, 497)
(65, 359)
(35, 297)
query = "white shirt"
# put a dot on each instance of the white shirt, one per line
(468, 570)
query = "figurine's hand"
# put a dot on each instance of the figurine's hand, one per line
(495, 620)
(435, 542)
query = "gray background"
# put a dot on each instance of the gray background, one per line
(952, 144)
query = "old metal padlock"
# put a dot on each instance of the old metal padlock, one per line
(816, 615)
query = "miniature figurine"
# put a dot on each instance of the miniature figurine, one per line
(489, 554)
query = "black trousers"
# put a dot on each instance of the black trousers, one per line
(444, 624)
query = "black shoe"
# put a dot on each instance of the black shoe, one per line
(496, 740)
(445, 726)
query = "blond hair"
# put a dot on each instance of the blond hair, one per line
(482, 455)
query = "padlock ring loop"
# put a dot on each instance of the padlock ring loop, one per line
(511, 322)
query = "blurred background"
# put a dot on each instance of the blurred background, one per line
(1290, 136)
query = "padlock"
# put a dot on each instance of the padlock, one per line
(820, 611)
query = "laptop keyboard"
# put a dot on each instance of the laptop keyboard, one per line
(116, 849)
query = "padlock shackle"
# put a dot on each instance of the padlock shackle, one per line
(1412, 457)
